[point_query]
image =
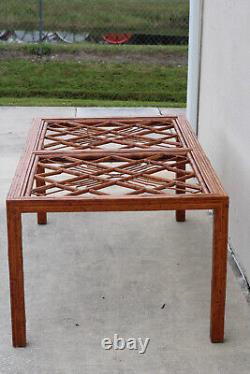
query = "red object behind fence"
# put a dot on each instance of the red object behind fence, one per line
(114, 38)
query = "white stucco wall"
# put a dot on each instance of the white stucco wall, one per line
(224, 109)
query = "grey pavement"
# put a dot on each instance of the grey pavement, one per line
(91, 275)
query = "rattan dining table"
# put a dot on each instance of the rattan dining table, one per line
(114, 164)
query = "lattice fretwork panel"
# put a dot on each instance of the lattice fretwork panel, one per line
(111, 134)
(115, 175)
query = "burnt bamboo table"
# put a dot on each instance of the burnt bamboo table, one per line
(114, 164)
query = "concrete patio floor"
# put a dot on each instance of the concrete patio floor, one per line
(91, 275)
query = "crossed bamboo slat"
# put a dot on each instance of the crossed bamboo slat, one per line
(77, 176)
(127, 139)
(85, 135)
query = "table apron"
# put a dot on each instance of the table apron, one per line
(113, 204)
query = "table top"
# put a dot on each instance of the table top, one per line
(139, 157)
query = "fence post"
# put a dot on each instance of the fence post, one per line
(41, 21)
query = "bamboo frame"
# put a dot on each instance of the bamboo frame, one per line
(74, 165)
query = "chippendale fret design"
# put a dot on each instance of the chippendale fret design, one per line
(115, 174)
(111, 134)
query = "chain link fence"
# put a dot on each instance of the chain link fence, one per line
(141, 22)
(94, 51)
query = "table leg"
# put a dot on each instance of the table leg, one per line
(180, 215)
(16, 277)
(41, 216)
(219, 273)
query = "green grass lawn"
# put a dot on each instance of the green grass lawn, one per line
(68, 81)
(98, 16)
(88, 75)
(98, 49)
(43, 101)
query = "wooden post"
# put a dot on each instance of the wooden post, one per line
(219, 273)
(41, 216)
(180, 215)
(16, 276)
